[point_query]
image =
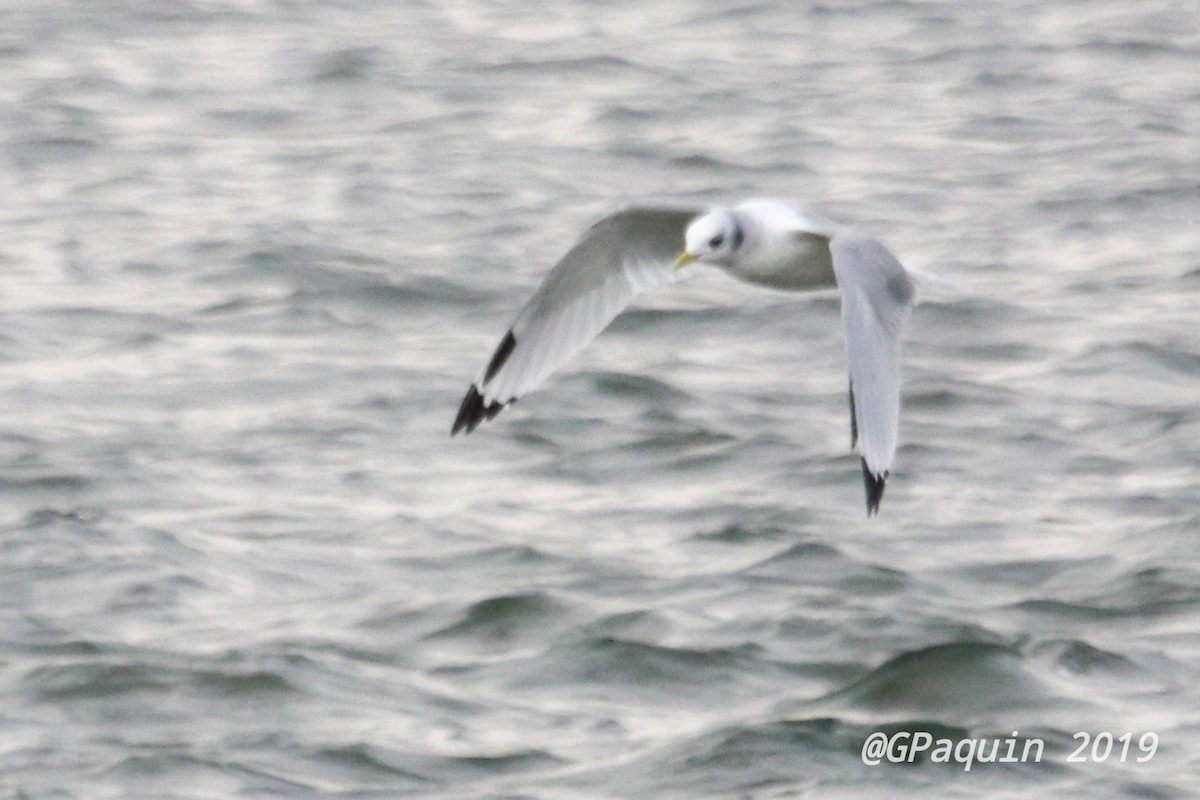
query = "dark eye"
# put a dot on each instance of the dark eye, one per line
(716, 241)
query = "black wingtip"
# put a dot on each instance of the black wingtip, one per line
(474, 411)
(500, 356)
(853, 420)
(874, 484)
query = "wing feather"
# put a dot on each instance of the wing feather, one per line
(622, 255)
(877, 296)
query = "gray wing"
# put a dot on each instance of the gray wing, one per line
(617, 258)
(877, 296)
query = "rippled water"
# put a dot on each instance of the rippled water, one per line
(253, 252)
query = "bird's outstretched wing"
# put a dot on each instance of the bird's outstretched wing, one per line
(877, 296)
(617, 258)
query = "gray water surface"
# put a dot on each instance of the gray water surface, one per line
(254, 252)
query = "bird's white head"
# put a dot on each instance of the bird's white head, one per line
(713, 237)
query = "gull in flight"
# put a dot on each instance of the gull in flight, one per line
(764, 242)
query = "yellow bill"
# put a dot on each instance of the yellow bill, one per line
(684, 258)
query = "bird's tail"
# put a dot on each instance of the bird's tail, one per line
(931, 286)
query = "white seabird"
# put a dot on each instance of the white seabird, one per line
(764, 242)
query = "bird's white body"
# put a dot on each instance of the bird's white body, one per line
(764, 242)
(786, 248)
